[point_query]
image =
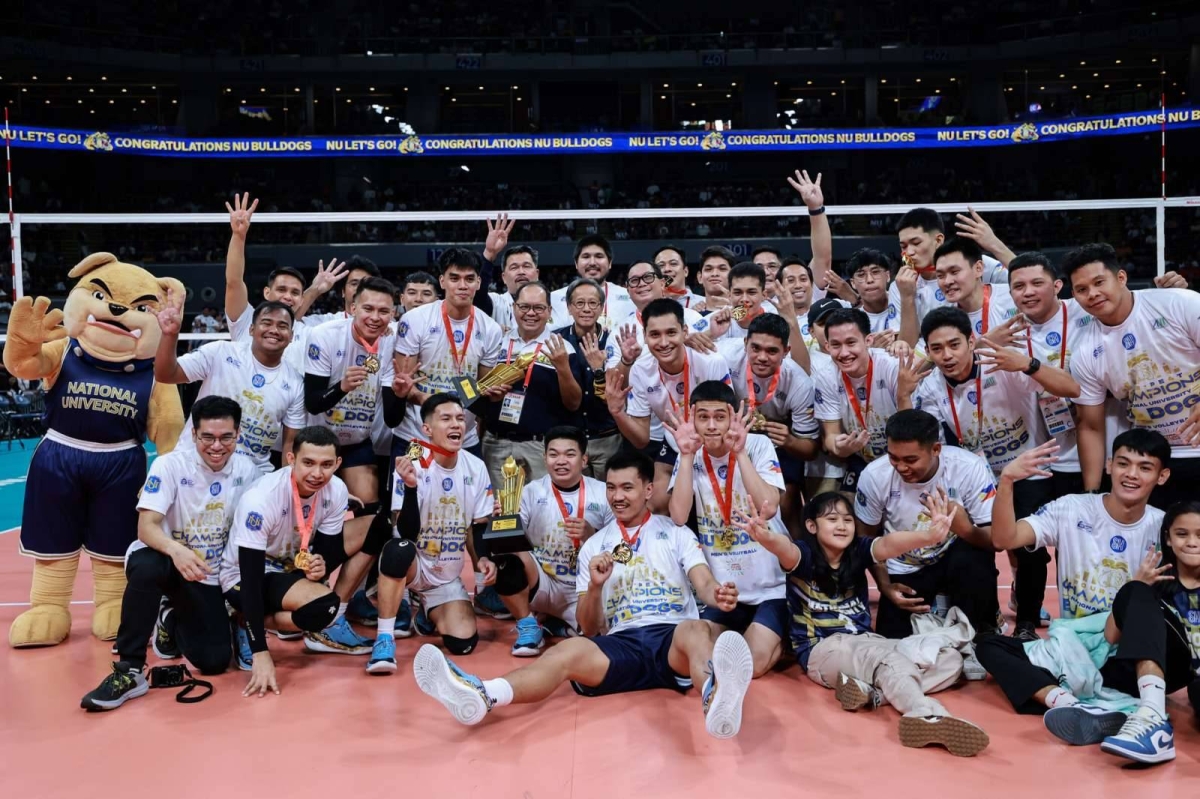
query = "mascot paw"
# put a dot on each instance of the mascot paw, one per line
(106, 620)
(44, 625)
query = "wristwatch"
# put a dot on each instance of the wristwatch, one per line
(1034, 365)
(817, 212)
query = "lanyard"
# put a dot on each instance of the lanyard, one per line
(458, 356)
(529, 369)
(632, 542)
(979, 404)
(752, 390)
(371, 350)
(434, 449)
(987, 302)
(686, 388)
(724, 501)
(562, 506)
(1062, 353)
(861, 413)
(303, 525)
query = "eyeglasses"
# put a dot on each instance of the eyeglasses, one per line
(208, 440)
(586, 305)
(641, 280)
(524, 307)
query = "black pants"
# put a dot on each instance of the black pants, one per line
(200, 621)
(1149, 631)
(1029, 589)
(966, 574)
(1182, 484)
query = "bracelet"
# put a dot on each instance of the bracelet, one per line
(817, 212)
(623, 363)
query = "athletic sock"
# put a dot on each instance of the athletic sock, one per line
(479, 586)
(342, 610)
(1153, 693)
(499, 690)
(1060, 697)
(386, 627)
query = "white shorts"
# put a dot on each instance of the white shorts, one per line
(433, 590)
(555, 599)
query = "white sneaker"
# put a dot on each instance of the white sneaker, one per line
(732, 668)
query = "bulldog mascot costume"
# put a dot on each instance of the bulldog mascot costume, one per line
(101, 403)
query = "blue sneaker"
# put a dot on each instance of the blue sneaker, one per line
(362, 610)
(488, 603)
(383, 656)
(420, 621)
(1082, 725)
(460, 693)
(338, 638)
(557, 628)
(730, 672)
(530, 641)
(1145, 737)
(404, 620)
(241, 648)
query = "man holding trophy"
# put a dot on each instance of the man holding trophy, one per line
(443, 497)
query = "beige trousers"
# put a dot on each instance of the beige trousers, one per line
(875, 660)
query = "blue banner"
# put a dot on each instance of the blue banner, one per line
(671, 142)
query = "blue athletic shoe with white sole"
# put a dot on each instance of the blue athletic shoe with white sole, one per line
(730, 672)
(241, 648)
(1082, 725)
(530, 640)
(488, 603)
(459, 692)
(361, 610)
(421, 622)
(383, 656)
(338, 638)
(404, 620)
(1145, 737)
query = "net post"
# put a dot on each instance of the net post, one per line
(1160, 235)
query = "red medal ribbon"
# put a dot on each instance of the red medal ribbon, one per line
(752, 391)
(632, 542)
(862, 412)
(987, 302)
(724, 502)
(371, 350)
(979, 404)
(562, 506)
(686, 388)
(434, 449)
(458, 356)
(303, 526)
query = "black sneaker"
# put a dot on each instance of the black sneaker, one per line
(126, 682)
(164, 633)
(1026, 631)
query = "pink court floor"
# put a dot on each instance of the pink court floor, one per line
(334, 730)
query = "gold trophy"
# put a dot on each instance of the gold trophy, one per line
(505, 374)
(505, 535)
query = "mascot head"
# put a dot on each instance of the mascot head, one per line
(112, 310)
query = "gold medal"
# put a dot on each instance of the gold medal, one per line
(371, 364)
(622, 553)
(302, 560)
(726, 539)
(573, 560)
(414, 451)
(758, 423)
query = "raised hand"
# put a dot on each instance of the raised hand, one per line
(1032, 462)
(1170, 280)
(881, 340)
(627, 340)
(353, 377)
(906, 281)
(719, 322)
(170, 318)
(575, 528)
(596, 357)
(559, 356)
(30, 314)
(783, 300)
(754, 525)
(1149, 572)
(402, 384)
(739, 428)
(1014, 332)
(616, 391)
(497, 235)
(687, 440)
(809, 190)
(846, 444)
(240, 213)
(600, 569)
(839, 288)
(328, 277)
(941, 514)
(701, 342)
(406, 471)
(1000, 359)
(912, 371)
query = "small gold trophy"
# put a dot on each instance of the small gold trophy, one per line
(505, 534)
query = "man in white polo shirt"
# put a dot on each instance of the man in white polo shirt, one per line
(593, 258)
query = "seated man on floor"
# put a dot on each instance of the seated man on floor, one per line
(638, 610)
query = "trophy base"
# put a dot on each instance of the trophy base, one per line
(505, 536)
(467, 390)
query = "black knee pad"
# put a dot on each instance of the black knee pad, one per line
(460, 646)
(378, 534)
(318, 614)
(510, 575)
(369, 509)
(396, 557)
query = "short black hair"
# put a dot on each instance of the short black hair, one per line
(718, 251)
(770, 324)
(946, 316)
(568, 432)
(848, 316)
(460, 257)
(537, 284)
(581, 282)
(290, 271)
(867, 256)
(436, 401)
(926, 219)
(663, 306)
(766, 249)
(751, 270)
(519, 249)
(1151, 443)
(216, 407)
(357, 262)
(419, 277)
(272, 305)
(316, 435)
(851, 573)
(633, 459)
(1181, 508)
(1080, 257)
(913, 425)
(714, 391)
(654, 270)
(376, 284)
(673, 248)
(592, 240)
(1028, 259)
(796, 260)
(964, 247)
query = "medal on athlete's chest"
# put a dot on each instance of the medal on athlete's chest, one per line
(371, 364)
(622, 553)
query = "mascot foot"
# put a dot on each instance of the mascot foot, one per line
(109, 580)
(44, 625)
(106, 620)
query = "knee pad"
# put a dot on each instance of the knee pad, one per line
(378, 534)
(369, 509)
(316, 615)
(396, 557)
(510, 575)
(460, 646)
